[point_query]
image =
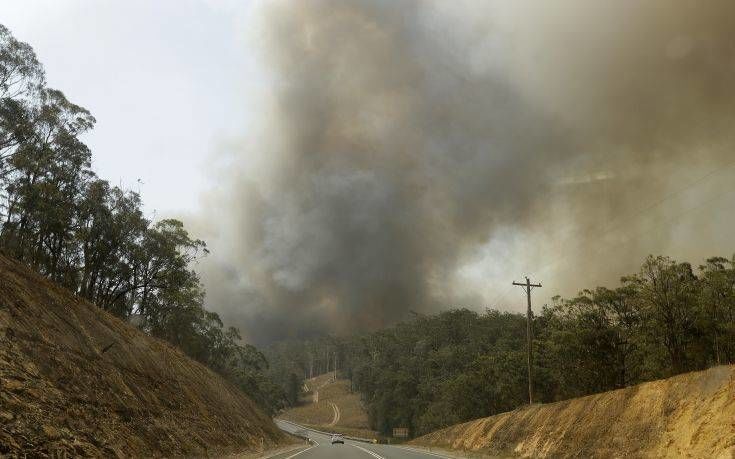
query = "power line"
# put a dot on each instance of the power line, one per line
(620, 221)
(600, 247)
(605, 230)
(671, 195)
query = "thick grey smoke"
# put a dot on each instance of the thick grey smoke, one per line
(408, 148)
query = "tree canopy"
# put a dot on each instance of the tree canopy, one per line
(60, 218)
(439, 370)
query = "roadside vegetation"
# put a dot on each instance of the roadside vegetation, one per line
(336, 408)
(436, 371)
(58, 217)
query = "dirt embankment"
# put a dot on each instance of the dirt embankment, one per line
(690, 415)
(334, 409)
(76, 380)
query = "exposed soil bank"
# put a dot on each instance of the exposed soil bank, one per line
(74, 379)
(690, 415)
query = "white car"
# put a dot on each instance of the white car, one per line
(337, 438)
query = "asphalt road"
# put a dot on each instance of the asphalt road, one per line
(323, 449)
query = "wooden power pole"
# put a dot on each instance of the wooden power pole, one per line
(528, 286)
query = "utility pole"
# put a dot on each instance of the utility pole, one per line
(528, 286)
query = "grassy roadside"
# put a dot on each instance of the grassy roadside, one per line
(353, 419)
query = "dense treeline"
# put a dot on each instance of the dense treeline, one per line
(61, 219)
(439, 370)
(667, 319)
(293, 361)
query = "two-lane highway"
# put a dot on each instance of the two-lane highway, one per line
(323, 449)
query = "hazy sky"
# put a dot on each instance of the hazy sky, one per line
(361, 159)
(165, 80)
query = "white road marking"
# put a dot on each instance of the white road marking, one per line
(374, 454)
(304, 450)
(421, 451)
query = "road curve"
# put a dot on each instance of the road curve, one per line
(323, 449)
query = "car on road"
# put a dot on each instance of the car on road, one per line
(337, 438)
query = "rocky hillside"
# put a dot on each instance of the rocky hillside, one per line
(690, 415)
(76, 380)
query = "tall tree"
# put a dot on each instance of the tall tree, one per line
(667, 292)
(58, 217)
(717, 299)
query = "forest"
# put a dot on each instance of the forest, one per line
(58, 217)
(439, 370)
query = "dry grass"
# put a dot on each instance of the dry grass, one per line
(353, 418)
(312, 413)
(352, 411)
(60, 395)
(690, 415)
(319, 381)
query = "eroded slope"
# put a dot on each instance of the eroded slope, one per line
(690, 415)
(59, 392)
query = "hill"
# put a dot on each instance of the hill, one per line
(330, 405)
(690, 415)
(76, 380)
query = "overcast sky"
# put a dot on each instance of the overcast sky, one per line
(165, 79)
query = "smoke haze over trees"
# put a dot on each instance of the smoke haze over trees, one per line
(420, 154)
(434, 371)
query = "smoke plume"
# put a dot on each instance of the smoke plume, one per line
(418, 155)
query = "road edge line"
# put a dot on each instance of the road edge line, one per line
(422, 451)
(363, 440)
(304, 450)
(372, 453)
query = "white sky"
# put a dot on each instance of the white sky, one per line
(165, 80)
